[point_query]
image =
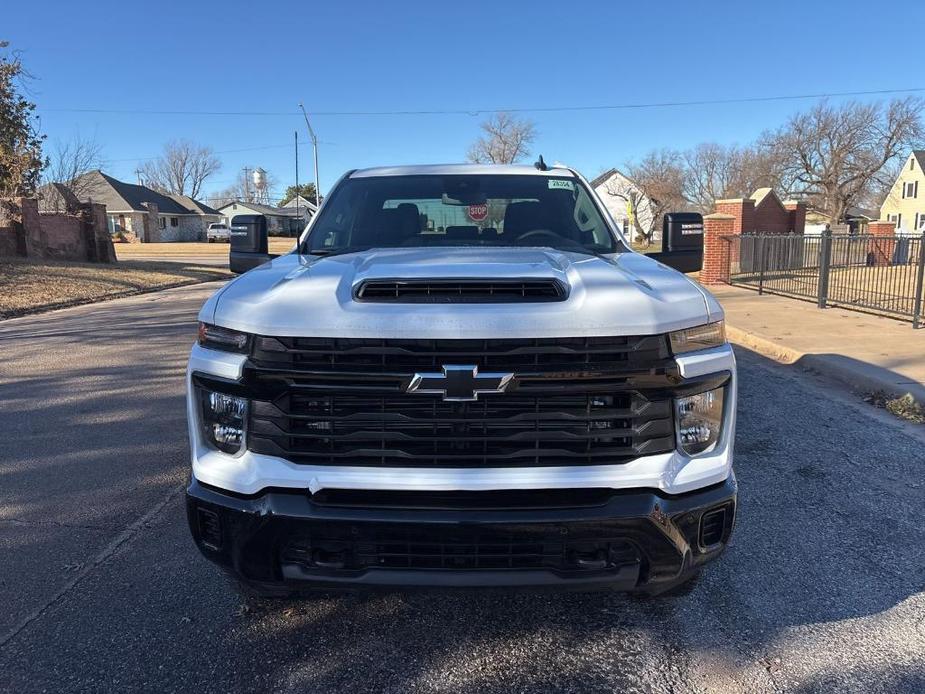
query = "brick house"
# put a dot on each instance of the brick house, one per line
(149, 215)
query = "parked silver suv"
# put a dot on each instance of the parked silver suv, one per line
(462, 376)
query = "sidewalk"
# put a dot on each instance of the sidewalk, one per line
(867, 353)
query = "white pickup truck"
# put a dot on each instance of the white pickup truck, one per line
(462, 376)
(218, 231)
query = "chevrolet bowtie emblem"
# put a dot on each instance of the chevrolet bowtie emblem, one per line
(459, 383)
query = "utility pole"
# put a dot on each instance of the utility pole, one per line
(247, 184)
(311, 134)
(297, 193)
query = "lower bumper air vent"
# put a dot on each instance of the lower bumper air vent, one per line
(210, 528)
(715, 526)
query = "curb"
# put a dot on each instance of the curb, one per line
(858, 376)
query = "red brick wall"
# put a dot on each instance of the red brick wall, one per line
(797, 212)
(742, 210)
(82, 236)
(716, 248)
(880, 251)
(771, 217)
(63, 237)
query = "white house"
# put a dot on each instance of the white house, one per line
(301, 203)
(625, 201)
(281, 221)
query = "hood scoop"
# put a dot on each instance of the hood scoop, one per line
(460, 291)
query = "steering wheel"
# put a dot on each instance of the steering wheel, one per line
(547, 233)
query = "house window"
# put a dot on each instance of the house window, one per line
(162, 222)
(911, 163)
(174, 221)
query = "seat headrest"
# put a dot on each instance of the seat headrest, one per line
(524, 216)
(396, 224)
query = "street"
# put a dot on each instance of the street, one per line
(823, 588)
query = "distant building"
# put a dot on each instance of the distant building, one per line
(625, 201)
(302, 203)
(146, 213)
(281, 221)
(905, 203)
(855, 220)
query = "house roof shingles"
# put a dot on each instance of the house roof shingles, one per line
(120, 196)
(263, 209)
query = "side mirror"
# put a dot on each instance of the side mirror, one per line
(249, 244)
(682, 242)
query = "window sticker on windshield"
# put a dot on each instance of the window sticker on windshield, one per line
(558, 183)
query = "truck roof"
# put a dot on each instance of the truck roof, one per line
(450, 169)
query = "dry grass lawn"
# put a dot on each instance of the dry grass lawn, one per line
(28, 286)
(126, 251)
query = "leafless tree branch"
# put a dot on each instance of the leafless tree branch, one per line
(182, 169)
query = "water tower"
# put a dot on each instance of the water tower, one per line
(262, 193)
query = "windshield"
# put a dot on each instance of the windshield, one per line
(478, 210)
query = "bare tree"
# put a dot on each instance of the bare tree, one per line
(181, 169)
(714, 171)
(660, 178)
(834, 155)
(507, 139)
(70, 160)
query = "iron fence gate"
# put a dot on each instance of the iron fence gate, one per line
(881, 274)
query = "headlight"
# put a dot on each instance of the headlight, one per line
(701, 337)
(700, 420)
(223, 419)
(216, 337)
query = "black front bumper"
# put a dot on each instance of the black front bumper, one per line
(626, 540)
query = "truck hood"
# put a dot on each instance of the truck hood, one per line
(620, 294)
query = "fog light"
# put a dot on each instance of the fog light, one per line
(223, 418)
(699, 421)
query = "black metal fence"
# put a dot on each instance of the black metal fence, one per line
(880, 274)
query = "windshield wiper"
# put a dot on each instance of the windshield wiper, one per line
(338, 251)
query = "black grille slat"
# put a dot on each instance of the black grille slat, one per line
(460, 549)
(460, 291)
(346, 355)
(333, 401)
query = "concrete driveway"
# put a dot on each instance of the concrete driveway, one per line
(102, 588)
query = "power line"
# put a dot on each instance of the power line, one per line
(224, 151)
(480, 111)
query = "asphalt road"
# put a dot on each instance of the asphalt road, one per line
(101, 587)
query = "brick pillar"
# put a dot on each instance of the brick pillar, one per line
(797, 210)
(880, 250)
(152, 227)
(742, 211)
(716, 249)
(36, 243)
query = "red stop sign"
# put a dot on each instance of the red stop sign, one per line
(477, 213)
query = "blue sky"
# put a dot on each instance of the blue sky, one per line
(205, 55)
